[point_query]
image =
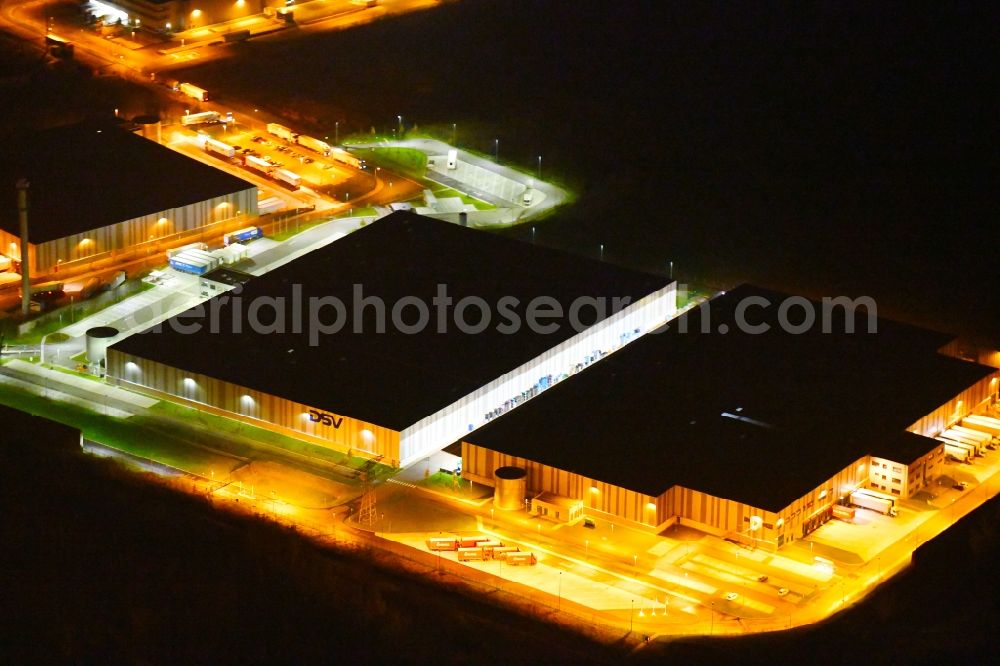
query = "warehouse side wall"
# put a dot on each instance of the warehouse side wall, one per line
(456, 421)
(339, 432)
(106, 242)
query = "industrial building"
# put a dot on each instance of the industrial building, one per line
(178, 15)
(753, 436)
(398, 392)
(100, 194)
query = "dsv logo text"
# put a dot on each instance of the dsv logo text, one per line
(325, 419)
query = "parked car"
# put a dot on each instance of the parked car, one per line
(732, 596)
(782, 591)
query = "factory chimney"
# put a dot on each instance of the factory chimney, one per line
(22, 217)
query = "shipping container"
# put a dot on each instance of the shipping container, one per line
(442, 543)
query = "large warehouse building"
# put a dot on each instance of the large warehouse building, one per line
(396, 389)
(749, 435)
(99, 194)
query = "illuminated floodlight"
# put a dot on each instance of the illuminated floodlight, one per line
(822, 493)
(779, 523)
(196, 13)
(593, 489)
(189, 383)
(651, 505)
(109, 13)
(367, 435)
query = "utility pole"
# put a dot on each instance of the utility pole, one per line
(22, 216)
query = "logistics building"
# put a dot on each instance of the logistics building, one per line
(749, 435)
(99, 193)
(178, 15)
(398, 391)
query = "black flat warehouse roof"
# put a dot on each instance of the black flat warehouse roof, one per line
(760, 419)
(90, 175)
(394, 379)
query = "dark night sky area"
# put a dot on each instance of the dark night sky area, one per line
(834, 148)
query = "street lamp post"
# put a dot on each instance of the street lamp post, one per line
(496, 150)
(630, 614)
(539, 167)
(336, 132)
(454, 133)
(559, 600)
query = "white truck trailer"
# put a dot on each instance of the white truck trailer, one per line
(986, 424)
(347, 158)
(960, 453)
(258, 164)
(216, 146)
(954, 435)
(194, 91)
(290, 177)
(314, 144)
(200, 118)
(281, 131)
(977, 435)
(883, 505)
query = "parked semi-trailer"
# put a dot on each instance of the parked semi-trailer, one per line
(290, 177)
(957, 451)
(347, 158)
(983, 423)
(281, 131)
(189, 246)
(192, 90)
(242, 235)
(953, 434)
(321, 147)
(881, 504)
(978, 435)
(971, 448)
(201, 118)
(258, 164)
(216, 146)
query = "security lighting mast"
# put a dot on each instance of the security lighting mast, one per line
(22, 216)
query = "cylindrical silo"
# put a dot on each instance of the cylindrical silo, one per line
(149, 126)
(511, 487)
(98, 340)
